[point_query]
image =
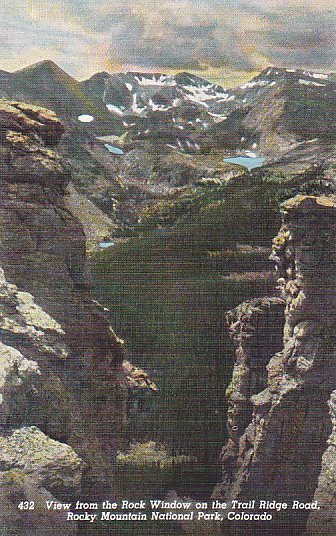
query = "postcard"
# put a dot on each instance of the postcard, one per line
(167, 275)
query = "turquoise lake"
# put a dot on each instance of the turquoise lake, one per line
(247, 161)
(113, 150)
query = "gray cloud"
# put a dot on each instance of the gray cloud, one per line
(86, 35)
(176, 44)
(308, 39)
(190, 33)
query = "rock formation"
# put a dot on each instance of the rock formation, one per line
(62, 385)
(278, 454)
(37, 469)
(34, 467)
(256, 329)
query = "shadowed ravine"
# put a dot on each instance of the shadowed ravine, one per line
(167, 299)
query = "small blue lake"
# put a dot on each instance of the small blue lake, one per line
(104, 245)
(248, 162)
(113, 150)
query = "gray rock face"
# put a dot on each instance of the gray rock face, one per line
(17, 375)
(36, 469)
(40, 235)
(27, 119)
(53, 465)
(256, 328)
(62, 386)
(33, 467)
(280, 451)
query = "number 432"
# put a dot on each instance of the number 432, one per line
(26, 505)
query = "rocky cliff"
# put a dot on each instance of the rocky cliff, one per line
(256, 329)
(278, 436)
(62, 385)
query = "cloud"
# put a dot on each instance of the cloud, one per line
(236, 34)
(33, 30)
(308, 39)
(86, 35)
(176, 35)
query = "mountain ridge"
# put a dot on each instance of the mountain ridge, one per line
(163, 124)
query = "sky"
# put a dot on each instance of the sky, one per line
(86, 36)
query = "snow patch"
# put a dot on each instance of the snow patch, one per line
(163, 80)
(135, 108)
(320, 75)
(226, 98)
(316, 75)
(310, 83)
(256, 83)
(203, 93)
(85, 118)
(114, 109)
(156, 107)
(217, 115)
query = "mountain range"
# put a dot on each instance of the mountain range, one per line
(131, 137)
(270, 114)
